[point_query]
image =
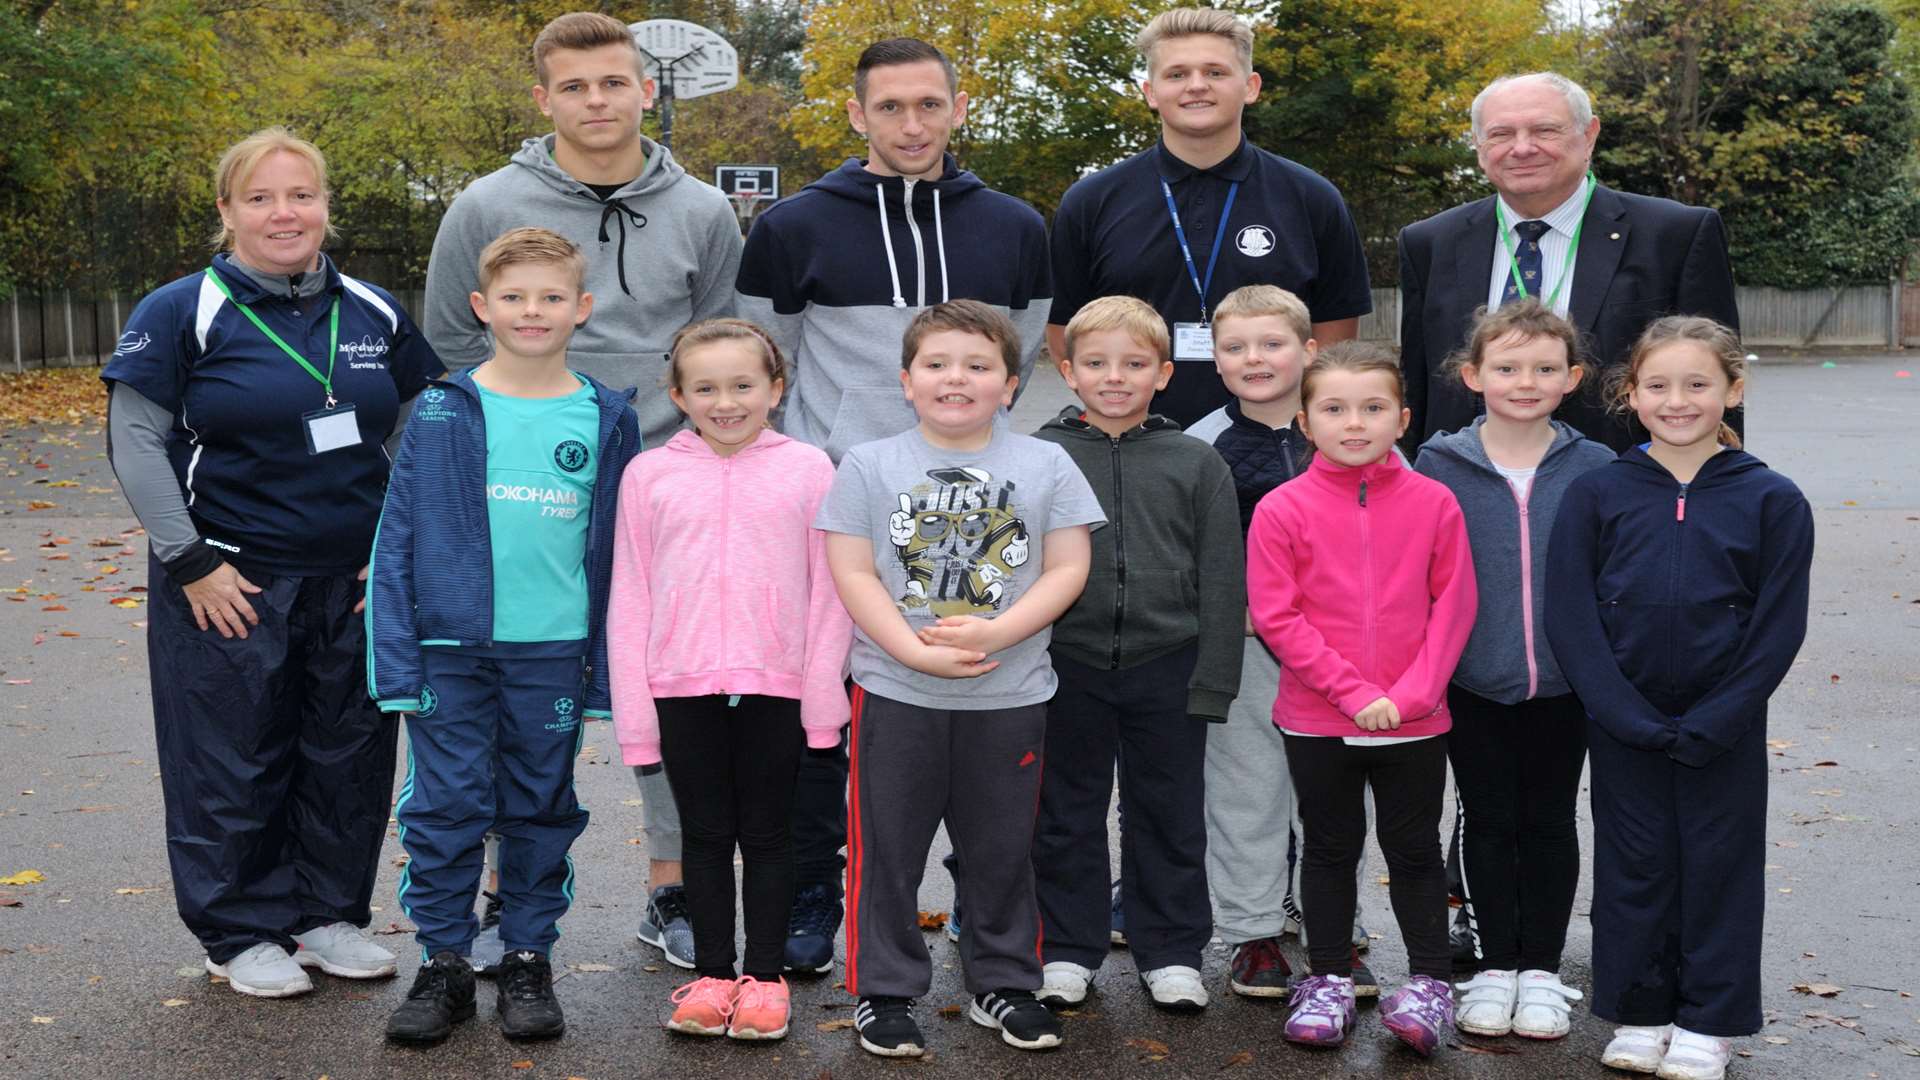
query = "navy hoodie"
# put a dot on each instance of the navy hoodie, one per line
(1676, 609)
(836, 272)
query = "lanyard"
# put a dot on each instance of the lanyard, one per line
(1200, 285)
(333, 337)
(1513, 260)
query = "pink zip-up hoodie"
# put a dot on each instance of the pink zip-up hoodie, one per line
(720, 586)
(1361, 582)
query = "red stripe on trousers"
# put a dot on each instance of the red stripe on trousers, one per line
(855, 849)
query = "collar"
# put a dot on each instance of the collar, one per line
(1349, 482)
(250, 285)
(1562, 219)
(1235, 168)
(1239, 416)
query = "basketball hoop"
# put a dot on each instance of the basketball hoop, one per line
(745, 205)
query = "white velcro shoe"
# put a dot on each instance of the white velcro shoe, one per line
(1175, 987)
(1543, 1005)
(263, 971)
(1637, 1049)
(1485, 1004)
(343, 949)
(1693, 1056)
(1063, 982)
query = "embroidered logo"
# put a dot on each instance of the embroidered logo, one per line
(432, 395)
(1254, 240)
(571, 455)
(429, 701)
(132, 342)
(563, 718)
(364, 355)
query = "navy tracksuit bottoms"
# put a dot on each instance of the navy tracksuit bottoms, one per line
(275, 766)
(1137, 715)
(1679, 890)
(491, 750)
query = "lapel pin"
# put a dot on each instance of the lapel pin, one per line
(1615, 236)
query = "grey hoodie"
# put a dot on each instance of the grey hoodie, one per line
(662, 253)
(1507, 657)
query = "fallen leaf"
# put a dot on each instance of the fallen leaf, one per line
(54, 607)
(588, 969)
(650, 967)
(1833, 678)
(841, 1024)
(394, 928)
(40, 504)
(1153, 1049)
(631, 802)
(1244, 1057)
(1817, 989)
(932, 920)
(949, 1012)
(521, 1065)
(132, 891)
(124, 602)
(1826, 764)
(9, 901)
(24, 877)
(43, 1019)
(174, 1003)
(18, 682)
(1477, 1048)
(1777, 1040)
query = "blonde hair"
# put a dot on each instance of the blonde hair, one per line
(1131, 314)
(1359, 357)
(1526, 318)
(1721, 341)
(242, 158)
(1189, 22)
(712, 330)
(1259, 301)
(531, 245)
(579, 31)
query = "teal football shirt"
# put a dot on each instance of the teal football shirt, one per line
(542, 454)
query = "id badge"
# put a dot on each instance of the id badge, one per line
(331, 429)
(1192, 341)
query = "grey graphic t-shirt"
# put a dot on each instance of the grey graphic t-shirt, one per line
(957, 533)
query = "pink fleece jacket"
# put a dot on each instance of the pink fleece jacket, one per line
(720, 586)
(1360, 581)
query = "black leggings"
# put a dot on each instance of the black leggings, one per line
(732, 771)
(1409, 780)
(1517, 769)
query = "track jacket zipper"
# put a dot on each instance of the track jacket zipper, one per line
(1119, 553)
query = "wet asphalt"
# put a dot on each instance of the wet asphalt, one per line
(99, 979)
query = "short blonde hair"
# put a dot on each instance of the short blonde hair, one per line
(579, 31)
(237, 165)
(1187, 22)
(532, 245)
(1259, 301)
(1131, 314)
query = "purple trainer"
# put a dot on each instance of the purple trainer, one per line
(1421, 1012)
(1322, 1010)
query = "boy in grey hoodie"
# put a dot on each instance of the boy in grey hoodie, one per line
(662, 247)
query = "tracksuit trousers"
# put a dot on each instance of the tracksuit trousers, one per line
(491, 750)
(1679, 890)
(732, 768)
(978, 770)
(1517, 771)
(275, 767)
(1138, 715)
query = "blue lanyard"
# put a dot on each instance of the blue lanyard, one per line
(1200, 286)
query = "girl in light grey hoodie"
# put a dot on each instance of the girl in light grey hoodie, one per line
(1519, 734)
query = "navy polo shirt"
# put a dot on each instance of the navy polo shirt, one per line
(1289, 227)
(238, 444)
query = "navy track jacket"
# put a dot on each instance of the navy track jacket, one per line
(432, 575)
(1676, 609)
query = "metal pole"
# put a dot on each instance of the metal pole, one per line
(1893, 312)
(66, 308)
(666, 106)
(15, 307)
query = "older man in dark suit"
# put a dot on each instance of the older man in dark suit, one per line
(1609, 261)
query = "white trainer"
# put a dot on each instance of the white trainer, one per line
(1637, 1049)
(1485, 1004)
(1693, 1056)
(263, 971)
(1543, 1006)
(1175, 987)
(343, 949)
(1063, 982)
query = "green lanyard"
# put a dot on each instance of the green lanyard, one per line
(1513, 259)
(333, 337)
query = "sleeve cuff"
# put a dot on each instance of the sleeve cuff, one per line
(1209, 705)
(646, 755)
(601, 714)
(192, 564)
(399, 704)
(823, 738)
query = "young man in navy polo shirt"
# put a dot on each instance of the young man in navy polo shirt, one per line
(1203, 213)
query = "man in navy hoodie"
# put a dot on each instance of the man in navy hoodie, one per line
(835, 273)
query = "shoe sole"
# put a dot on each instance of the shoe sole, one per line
(1413, 1035)
(1635, 1065)
(985, 1019)
(688, 1027)
(308, 959)
(658, 941)
(823, 969)
(531, 1036)
(1249, 990)
(433, 1038)
(1177, 1005)
(1484, 1032)
(903, 1050)
(1542, 1036)
(1059, 1001)
(305, 986)
(754, 1035)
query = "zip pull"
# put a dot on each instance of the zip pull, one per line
(1680, 507)
(1363, 493)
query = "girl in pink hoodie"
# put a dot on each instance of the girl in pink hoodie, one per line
(1360, 581)
(728, 647)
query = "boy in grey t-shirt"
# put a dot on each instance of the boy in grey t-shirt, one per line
(955, 546)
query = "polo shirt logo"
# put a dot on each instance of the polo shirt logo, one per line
(1254, 240)
(132, 342)
(571, 455)
(365, 354)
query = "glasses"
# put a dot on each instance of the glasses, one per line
(1544, 135)
(933, 525)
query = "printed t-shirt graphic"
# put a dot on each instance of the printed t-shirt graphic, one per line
(959, 536)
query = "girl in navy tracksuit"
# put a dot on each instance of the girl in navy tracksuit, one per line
(1676, 601)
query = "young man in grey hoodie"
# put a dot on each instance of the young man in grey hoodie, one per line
(662, 252)
(662, 247)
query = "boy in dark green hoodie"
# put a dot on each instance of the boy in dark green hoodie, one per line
(1147, 657)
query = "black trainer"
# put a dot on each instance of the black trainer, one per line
(441, 997)
(886, 1027)
(1022, 1020)
(525, 1002)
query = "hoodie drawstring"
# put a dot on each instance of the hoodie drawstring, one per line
(886, 241)
(618, 211)
(940, 242)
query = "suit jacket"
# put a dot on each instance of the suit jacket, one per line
(1639, 258)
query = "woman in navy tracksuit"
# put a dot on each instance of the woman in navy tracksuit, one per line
(1677, 589)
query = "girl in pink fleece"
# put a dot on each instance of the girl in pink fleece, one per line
(1360, 581)
(728, 647)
